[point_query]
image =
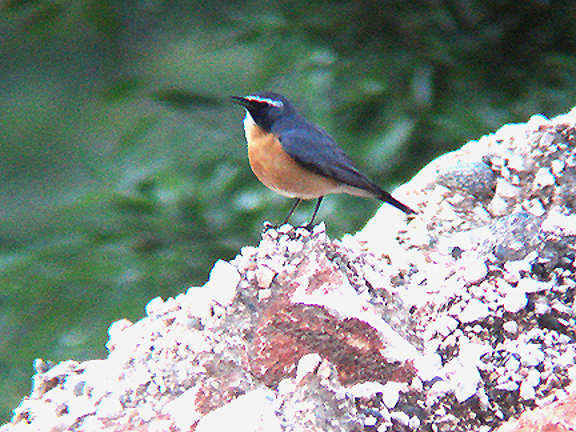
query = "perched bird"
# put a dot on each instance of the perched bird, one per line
(298, 159)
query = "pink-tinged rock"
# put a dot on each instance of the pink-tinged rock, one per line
(559, 416)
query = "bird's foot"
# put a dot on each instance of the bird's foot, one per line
(267, 226)
(282, 228)
(308, 226)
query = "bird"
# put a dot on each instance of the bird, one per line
(298, 159)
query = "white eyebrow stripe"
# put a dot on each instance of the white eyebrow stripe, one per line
(276, 103)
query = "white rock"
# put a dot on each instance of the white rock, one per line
(475, 310)
(220, 289)
(510, 326)
(560, 223)
(517, 162)
(252, 412)
(391, 393)
(462, 371)
(530, 354)
(472, 269)
(533, 378)
(444, 325)
(428, 366)
(515, 300)
(370, 421)
(512, 364)
(367, 389)
(155, 307)
(264, 276)
(414, 423)
(182, 409)
(557, 166)
(507, 190)
(223, 281)
(529, 285)
(307, 364)
(527, 391)
(536, 208)
(544, 177)
(400, 417)
(507, 386)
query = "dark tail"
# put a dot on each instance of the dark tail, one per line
(386, 197)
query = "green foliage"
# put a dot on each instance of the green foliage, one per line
(124, 173)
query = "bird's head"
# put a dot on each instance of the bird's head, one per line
(265, 108)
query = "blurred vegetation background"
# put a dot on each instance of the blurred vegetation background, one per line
(123, 167)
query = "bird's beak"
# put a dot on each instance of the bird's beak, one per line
(240, 101)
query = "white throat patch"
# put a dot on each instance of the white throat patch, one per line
(248, 121)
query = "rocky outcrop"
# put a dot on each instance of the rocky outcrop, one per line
(461, 317)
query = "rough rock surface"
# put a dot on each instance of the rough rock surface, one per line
(459, 318)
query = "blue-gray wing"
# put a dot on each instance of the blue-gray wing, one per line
(315, 150)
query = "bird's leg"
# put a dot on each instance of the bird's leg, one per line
(298, 201)
(311, 223)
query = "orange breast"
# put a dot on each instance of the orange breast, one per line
(280, 172)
